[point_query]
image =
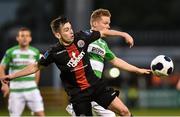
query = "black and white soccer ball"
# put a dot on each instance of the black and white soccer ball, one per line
(162, 66)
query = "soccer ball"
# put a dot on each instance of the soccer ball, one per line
(162, 66)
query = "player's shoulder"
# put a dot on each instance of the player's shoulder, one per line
(84, 33)
(87, 32)
(101, 42)
(52, 49)
(55, 47)
(79, 34)
(34, 49)
(11, 49)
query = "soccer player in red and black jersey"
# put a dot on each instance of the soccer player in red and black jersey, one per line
(70, 56)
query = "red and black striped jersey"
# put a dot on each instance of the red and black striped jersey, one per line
(73, 62)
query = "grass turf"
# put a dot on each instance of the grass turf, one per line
(60, 111)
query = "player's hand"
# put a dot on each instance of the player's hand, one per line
(129, 40)
(144, 71)
(5, 78)
(5, 89)
(178, 85)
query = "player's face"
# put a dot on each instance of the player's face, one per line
(66, 33)
(24, 38)
(102, 23)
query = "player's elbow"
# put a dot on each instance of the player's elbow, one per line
(115, 62)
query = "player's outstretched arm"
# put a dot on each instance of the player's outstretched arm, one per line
(126, 36)
(30, 69)
(121, 64)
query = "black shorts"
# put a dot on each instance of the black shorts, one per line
(99, 93)
(104, 95)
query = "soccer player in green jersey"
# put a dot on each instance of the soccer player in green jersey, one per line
(23, 90)
(99, 51)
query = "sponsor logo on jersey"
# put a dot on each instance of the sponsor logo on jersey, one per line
(80, 43)
(92, 48)
(73, 62)
(98, 51)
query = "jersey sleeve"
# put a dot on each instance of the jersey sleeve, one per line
(109, 54)
(6, 59)
(46, 59)
(37, 53)
(92, 35)
(38, 56)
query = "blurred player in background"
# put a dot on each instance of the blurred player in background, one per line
(99, 51)
(23, 90)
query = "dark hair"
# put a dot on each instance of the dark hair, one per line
(57, 23)
(23, 29)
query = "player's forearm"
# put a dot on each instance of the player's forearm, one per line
(106, 33)
(30, 69)
(2, 70)
(2, 73)
(129, 40)
(121, 64)
(37, 76)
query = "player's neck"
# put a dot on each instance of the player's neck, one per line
(23, 47)
(95, 28)
(92, 28)
(64, 43)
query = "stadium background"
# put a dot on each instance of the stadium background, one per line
(154, 24)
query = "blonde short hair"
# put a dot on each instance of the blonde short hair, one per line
(97, 14)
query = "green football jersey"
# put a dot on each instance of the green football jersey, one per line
(15, 60)
(98, 52)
